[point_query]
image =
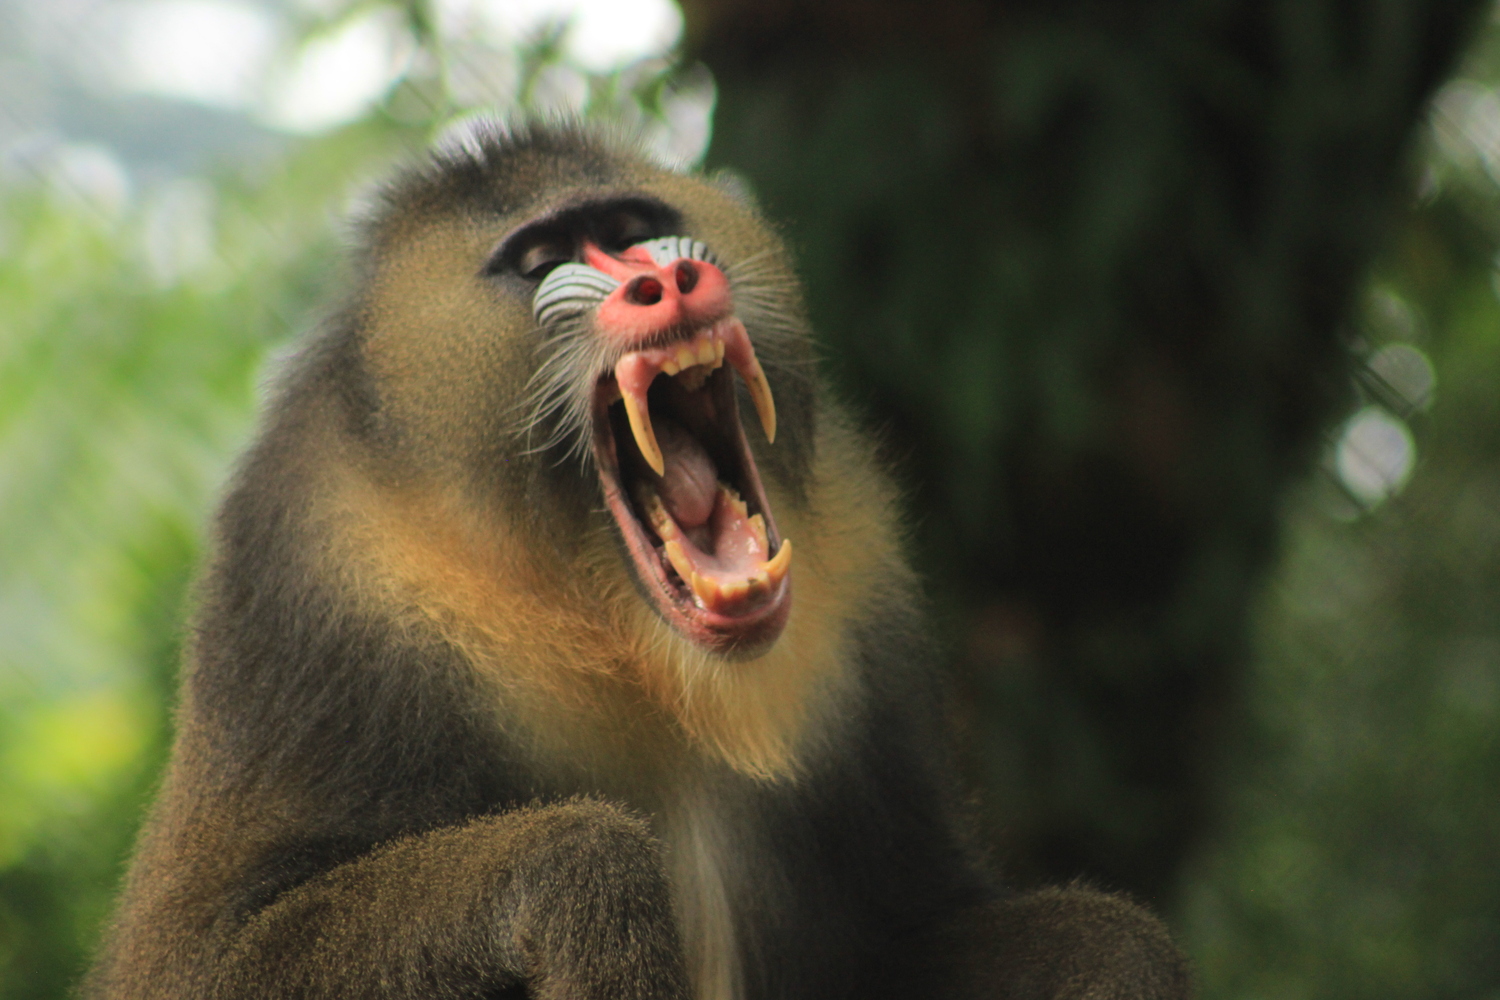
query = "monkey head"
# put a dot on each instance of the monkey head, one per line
(571, 331)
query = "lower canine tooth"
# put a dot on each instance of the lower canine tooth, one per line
(741, 354)
(679, 561)
(777, 567)
(706, 588)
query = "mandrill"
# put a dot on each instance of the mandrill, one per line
(506, 680)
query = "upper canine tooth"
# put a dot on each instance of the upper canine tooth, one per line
(645, 435)
(634, 374)
(705, 351)
(741, 354)
(765, 406)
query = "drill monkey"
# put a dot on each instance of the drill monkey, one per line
(505, 678)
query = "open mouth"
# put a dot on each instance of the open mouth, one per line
(680, 481)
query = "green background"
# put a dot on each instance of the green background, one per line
(1321, 817)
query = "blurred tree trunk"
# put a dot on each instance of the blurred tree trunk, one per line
(1088, 267)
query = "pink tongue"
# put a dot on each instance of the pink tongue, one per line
(690, 484)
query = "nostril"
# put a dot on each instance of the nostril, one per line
(687, 277)
(643, 291)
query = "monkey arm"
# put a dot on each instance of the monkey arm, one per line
(1070, 943)
(569, 900)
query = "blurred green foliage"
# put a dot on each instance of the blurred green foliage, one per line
(1355, 852)
(1356, 855)
(127, 384)
(1353, 845)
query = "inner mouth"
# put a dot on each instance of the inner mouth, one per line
(681, 483)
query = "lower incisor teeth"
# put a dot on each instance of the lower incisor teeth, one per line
(711, 592)
(734, 591)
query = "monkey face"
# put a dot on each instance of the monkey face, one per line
(570, 337)
(639, 332)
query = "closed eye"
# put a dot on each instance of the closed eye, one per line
(536, 248)
(624, 228)
(540, 258)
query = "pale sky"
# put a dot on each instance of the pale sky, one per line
(145, 76)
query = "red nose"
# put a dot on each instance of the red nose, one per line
(654, 298)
